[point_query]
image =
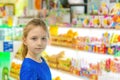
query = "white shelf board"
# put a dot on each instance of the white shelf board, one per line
(72, 53)
(65, 75)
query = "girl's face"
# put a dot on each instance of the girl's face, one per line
(36, 40)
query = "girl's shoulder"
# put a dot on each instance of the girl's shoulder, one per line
(27, 62)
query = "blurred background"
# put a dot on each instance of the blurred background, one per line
(84, 39)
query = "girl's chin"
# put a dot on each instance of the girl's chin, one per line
(38, 52)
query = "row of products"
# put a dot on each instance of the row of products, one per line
(89, 21)
(82, 67)
(107, 44)
(98, 21)
(105, 18)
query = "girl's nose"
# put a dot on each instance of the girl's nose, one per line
(39, 42)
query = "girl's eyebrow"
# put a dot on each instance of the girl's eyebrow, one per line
(33, 36)
(40, 36)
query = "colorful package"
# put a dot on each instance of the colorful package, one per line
(4, 65)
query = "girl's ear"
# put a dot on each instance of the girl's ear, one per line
(24, 41)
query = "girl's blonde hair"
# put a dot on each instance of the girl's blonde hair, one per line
(37, 22)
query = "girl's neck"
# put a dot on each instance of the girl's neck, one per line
(36, 58)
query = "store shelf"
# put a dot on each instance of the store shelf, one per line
(65, 75)
(109, 76)
(95, 28)
(72, 53)
(83, 31)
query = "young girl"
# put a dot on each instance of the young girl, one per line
(35, 38)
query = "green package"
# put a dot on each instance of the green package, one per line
(4, 65)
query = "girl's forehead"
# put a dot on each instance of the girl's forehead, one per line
(34, 26)
(37, 31)
(37, 28)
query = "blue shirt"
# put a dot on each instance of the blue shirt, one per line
(32, 70)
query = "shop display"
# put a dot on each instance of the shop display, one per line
(105, 44)
(88, 47)
(83, 68)
(90, 44)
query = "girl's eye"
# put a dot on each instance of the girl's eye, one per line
(44, 38)
(34, 38)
